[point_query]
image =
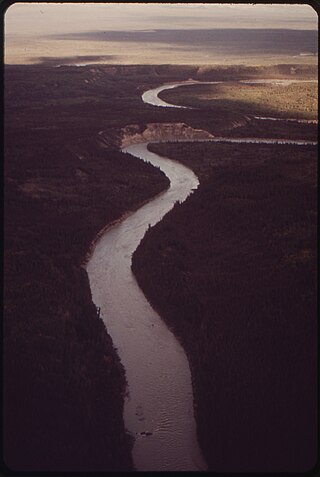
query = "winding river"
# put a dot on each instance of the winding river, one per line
(158, 410)
(151, 96)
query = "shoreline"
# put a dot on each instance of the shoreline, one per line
(147, 278)
(50, 207)
(112, 224)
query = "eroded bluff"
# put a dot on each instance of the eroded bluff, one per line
(151, 132)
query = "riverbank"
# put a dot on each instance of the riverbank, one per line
(62, 376)
(64, 386)
(280, 98)
(64, 383)
(244, 303)
(160, 400)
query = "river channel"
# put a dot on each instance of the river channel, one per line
(158, 410)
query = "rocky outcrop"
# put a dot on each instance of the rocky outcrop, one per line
(152, 132)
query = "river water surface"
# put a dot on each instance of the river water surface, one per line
(151, 96)
(160, 398)
(158, 411)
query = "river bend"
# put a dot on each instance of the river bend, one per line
(158, 410)
(152, 96)
(160, 398)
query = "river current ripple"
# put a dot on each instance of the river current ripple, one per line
(158, 410)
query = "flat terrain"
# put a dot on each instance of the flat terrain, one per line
(64, 386)
(175, 46)
(296, 100)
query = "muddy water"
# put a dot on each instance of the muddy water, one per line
(258, 140)
(160, 400)
(295, 120)
(159, 408)
(151, 96)
(277, 82)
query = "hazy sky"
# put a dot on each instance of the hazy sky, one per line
(45, 18)
(32, 29)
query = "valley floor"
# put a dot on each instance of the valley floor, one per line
(243, 302)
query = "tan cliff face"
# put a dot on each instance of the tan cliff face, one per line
(153, 132)
(162, 132)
